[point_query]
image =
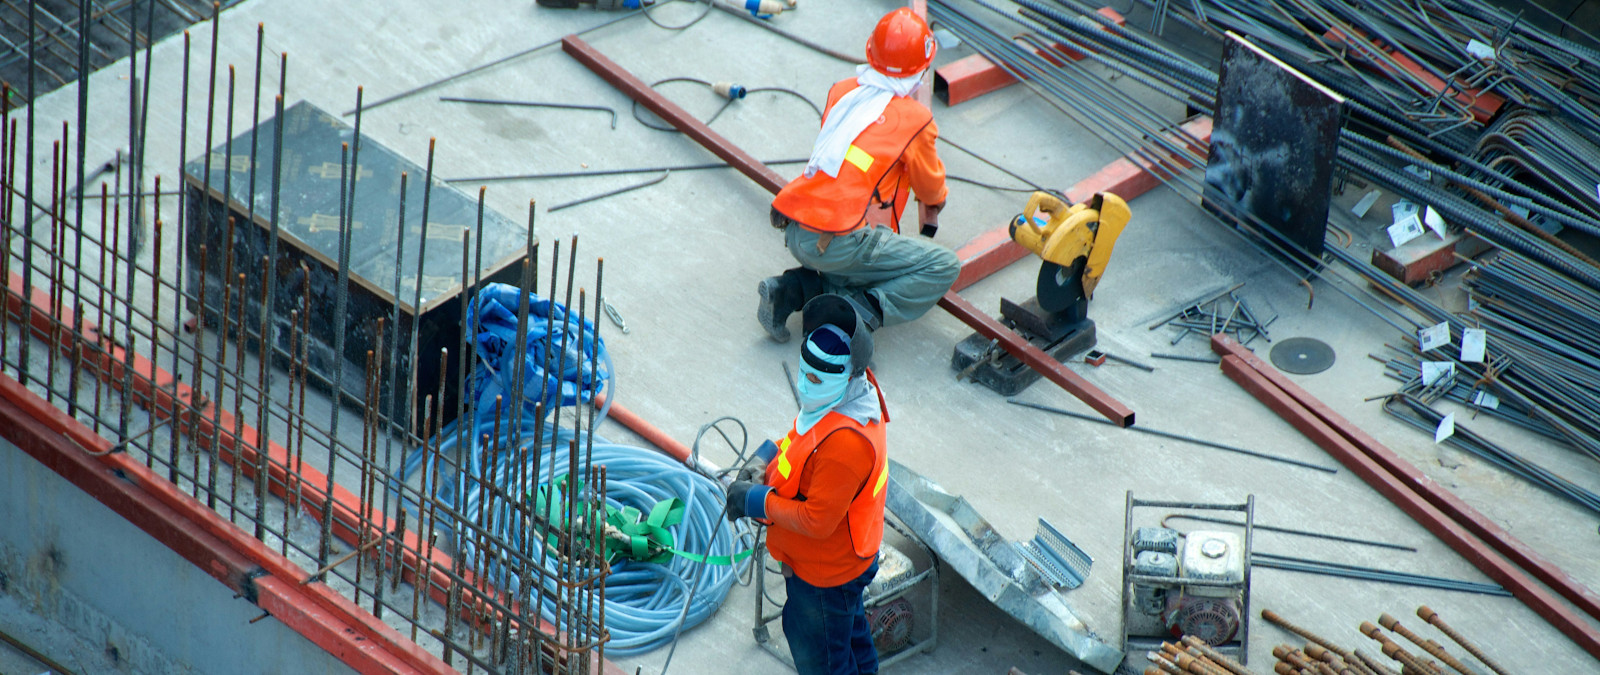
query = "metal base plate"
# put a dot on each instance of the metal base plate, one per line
(1008, 376)
(1302, 356)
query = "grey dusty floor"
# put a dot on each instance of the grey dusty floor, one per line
(683, 258)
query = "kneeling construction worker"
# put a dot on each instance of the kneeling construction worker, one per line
(821, 491)
(841, 216)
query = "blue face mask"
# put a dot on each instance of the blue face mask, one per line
(817, 398)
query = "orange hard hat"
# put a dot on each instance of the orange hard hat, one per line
(901, 45)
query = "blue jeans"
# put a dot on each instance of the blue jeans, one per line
(827, 627)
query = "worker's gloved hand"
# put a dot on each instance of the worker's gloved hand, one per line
(930, 219)
(747, 499)
(756, 466)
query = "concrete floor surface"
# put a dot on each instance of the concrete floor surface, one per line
(683, 258)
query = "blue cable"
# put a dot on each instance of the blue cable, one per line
(647, 604)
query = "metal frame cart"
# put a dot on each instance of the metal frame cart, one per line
(1239, 647)
(876, 597)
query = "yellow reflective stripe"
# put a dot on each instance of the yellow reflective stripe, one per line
(883, 479)
(783, 458)
(861, 158)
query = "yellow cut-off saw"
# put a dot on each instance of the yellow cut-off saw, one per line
(1074, 243)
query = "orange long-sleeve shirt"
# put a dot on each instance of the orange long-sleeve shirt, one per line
(812, 534)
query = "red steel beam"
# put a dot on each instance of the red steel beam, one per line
(1330, 437)
(193, 531)
(1037, 359)
(651, 99)
(1446, 501)
(973, 76)
(1127, 178)
(156, 389)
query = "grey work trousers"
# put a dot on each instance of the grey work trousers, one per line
(906, 274)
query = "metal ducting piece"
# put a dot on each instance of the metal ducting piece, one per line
(968, 544)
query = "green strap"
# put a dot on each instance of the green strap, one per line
(649, 537)
(716, 559)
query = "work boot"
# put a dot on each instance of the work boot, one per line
(784, 295)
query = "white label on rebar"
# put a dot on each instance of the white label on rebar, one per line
(1447, 428)
(1405, 230)
(1367, 200)
(1434, 371)
(1419, 172)
(1522, 211)
(1473, 341)
(1400, 210)
(1484, 399)
(1472, 304)
(1480, 50)
(1434, 221)
(1434, 337)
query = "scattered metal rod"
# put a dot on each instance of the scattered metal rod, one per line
(794, 387)
(538, 47)
(1287, 530)
(615, 172)
(613, 193)
(1181, 357)
(34, 653)
(1128, 361)
(1177, 437)
(536, 104)
(317, 575)
(1271, 561)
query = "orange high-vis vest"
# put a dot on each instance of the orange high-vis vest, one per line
(863, 521)
(840, 205)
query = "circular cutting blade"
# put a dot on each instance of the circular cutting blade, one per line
(1059, 287)
(1302, 356)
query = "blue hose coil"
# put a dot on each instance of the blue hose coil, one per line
(645, 602)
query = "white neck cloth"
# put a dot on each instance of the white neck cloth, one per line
(851, 115)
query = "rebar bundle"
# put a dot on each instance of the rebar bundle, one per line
(1527, 367)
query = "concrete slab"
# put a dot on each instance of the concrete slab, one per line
(683, 258)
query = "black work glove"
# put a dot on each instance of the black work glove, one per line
(747, 499)
(755, 468)
(930, 219)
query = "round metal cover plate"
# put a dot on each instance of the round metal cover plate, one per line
(1302, 356)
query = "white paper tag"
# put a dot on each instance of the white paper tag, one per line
(1432, 219)
(1473, 341)
(1367, 200)
(1523, 212)
(1401, 209)
(1480, 50)
(1434, 371)
(1433, 337)
(1447, 428)
(1472, 304)
(1419, 172)
(1484, 399)
(1405, 230)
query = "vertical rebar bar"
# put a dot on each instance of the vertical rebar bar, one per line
(178, 277)
(238, 400)
(340, 307)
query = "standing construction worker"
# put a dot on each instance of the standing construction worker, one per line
(841, 216)
(821, 491)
